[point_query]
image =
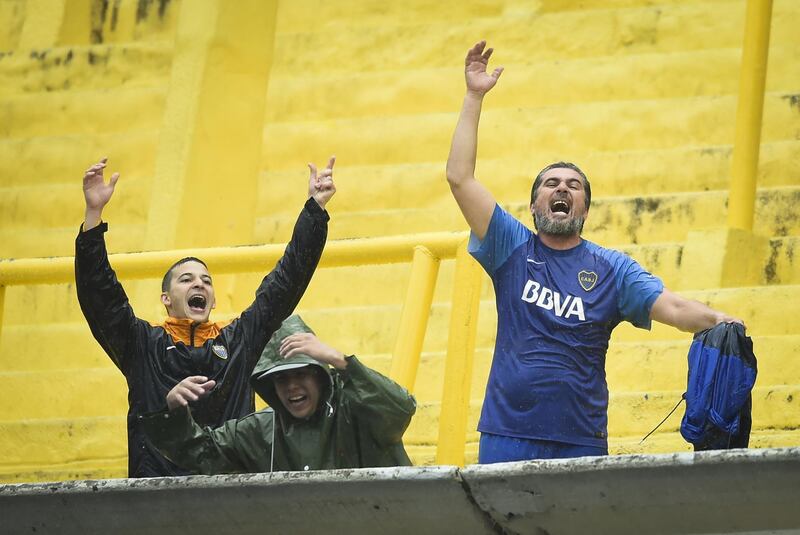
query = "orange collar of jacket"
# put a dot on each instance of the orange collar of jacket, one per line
(181, 330)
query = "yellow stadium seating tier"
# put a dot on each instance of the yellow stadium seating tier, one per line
(641, 93)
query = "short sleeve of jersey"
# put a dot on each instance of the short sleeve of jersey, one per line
(503, 236)
(638, 290)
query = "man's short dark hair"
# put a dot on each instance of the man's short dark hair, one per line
(568, 165)
(167, 280)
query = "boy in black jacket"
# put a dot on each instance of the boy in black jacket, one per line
(154, 358)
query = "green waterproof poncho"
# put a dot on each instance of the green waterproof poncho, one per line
(359, 423)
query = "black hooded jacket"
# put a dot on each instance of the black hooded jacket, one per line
(155, 358)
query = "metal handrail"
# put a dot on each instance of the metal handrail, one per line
(243, 259)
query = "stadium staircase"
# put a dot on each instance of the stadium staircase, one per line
(640, 93)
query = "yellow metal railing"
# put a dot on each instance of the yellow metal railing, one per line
(424, 251)
(414, 317)
(752, 79)
(458, 363)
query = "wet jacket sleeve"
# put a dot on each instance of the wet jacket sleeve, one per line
(376, 402)
(282, 288)
(102, 298)
(228, 449)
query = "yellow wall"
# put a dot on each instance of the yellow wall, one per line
(211, 110)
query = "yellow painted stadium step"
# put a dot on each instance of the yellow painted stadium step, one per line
(89, 67)
(88, 392)
(510, 132)
(73, 448)
(302, 96)
(672, 441)
(63, 159)
(661, 365)
(89, 112)
(632, 413)
(113, 468)
(662, 218)
(293, 17)
(622, 173)
(34, 228)
(57, 304)
(368, 223)
(612, 221)
(382, 45)
(21, 348)
(28, 207)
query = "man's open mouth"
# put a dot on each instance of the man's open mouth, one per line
(197, 303)
(559, 206)
(297, 399)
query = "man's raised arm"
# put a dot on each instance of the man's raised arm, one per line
(474, 200)
(101, 296)
(281, 290)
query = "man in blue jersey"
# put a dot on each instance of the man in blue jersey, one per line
(558, 299)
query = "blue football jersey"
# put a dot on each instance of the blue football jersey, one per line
(555, 313)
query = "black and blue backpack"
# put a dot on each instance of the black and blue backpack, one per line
(722, 372)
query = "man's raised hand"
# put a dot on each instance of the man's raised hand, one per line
(190, 389)
(308, 344)
(96, 193)
(479, 81)
(320, 185)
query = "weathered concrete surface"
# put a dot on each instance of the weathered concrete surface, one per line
(754, 491)
(751, 491)
(390, 500)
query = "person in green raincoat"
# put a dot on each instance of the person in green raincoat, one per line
(327, 411)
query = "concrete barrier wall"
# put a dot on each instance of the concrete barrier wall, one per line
(752, 491)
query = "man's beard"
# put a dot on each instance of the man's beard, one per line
(565, 227)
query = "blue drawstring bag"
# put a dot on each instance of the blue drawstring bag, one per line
(722, 372)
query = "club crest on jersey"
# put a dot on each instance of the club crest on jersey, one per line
(587, 279)
(220, 351)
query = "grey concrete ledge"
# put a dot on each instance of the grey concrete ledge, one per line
(753, 491)
(745, 491)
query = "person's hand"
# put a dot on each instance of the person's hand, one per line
(190, 389)
(721, 317)
(479, 82)
(308, 344)
(97, 193)
(320, 185)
